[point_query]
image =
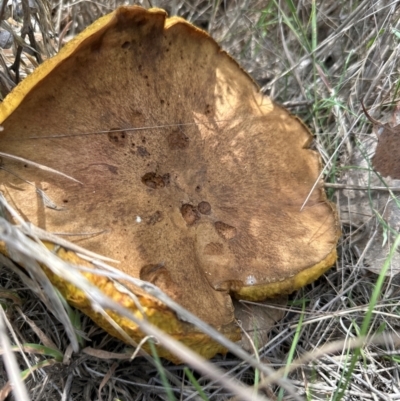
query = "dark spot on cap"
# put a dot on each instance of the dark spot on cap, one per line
(126, 45)
(225, 230)
(208, 109)
(142, 151)
(153, 180)
(112, 169)
(204, 207)
(159, 275)
(155, 218)
(117, 137)
(177, 140)
(189, 214)
(166, 178)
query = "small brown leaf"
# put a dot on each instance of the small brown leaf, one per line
(387, 155)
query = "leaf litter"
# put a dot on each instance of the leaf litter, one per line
(375, 214)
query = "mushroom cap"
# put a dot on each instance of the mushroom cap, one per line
(187, 175)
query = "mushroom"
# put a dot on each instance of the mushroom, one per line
(185, 172)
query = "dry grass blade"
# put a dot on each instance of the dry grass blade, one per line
(10, 362)
(33, 164)
(332, 348)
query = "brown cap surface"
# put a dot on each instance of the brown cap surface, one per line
(190, 177)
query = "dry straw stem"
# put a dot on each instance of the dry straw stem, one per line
(10, 361)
